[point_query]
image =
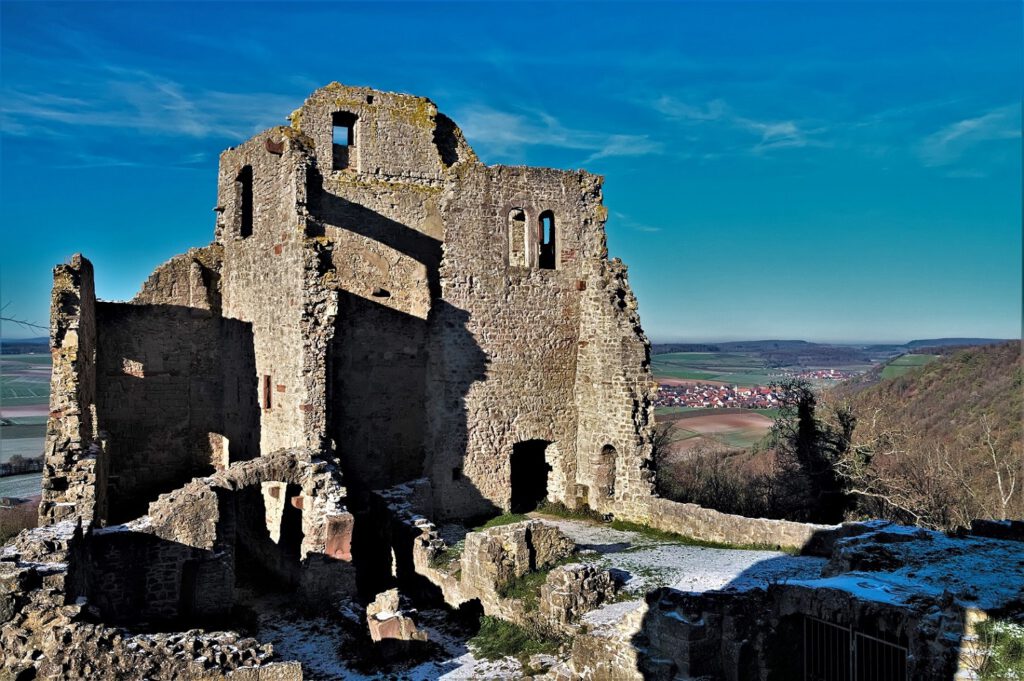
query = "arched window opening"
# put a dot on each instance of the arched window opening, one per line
(243, 183)
(517, 238)
(529, 478)
(606, 471)
(343, 140)
(546, 261)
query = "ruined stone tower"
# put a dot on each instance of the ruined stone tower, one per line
(376, 294)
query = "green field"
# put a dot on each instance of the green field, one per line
(24, 380)
(905, 363)
(732, 368)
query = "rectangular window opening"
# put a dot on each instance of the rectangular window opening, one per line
(267, 399)
(245, 208)
(343, 139)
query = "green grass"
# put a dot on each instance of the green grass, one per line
(499, 638)
(1003, 644)
(905, 363)
(560, 510)
(526, 588)
(503, 519)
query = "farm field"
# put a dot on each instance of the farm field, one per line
(24, 400)
(725, 367)
(24, 382)
(732, 428)
(905, 363)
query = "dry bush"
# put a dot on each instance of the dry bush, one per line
(731, 481)
(17, 518)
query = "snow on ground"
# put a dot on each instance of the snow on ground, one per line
(326, 645)
(978, 572)
(647, 563)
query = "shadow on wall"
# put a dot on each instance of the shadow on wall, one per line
(333, 211)
(384, 396)
(175, 398)
(793, 629)
(140, 579)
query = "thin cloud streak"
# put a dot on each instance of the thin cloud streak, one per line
(783, 134)
(952, 142)
(506, 134)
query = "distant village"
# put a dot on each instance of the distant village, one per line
(708, 396)
(718, 396)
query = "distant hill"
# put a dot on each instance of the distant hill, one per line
(781, 353)
(943, 436)
(22, 346)
(939, 342)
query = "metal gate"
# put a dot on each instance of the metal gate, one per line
(837, 653)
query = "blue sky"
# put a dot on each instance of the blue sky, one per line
(819, 170)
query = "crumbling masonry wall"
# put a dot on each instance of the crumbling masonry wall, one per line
(381, 295)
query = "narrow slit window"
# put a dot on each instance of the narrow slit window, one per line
(244, 184)
(546, 259)
(267, 398)
(344, 139)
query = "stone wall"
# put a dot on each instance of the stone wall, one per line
(74, 473)
(691, 520)
(159, 399)
(47, 627)
(614, 397)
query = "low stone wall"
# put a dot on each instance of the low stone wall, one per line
(691, 520)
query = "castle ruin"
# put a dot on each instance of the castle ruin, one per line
(384, 335)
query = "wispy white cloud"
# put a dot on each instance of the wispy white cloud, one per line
(630, 223)
(952, 142)
(137, 100)
(506, 134)
(769, 135)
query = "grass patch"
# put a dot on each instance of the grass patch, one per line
(672, 537)
(503, 519)
(906, 363)
(449, 556)
(499, 638)
(526, 589)
(560, 510)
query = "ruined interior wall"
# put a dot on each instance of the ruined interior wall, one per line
(613, 396)
(505, 343)
(385, 248)
(159, 399)
(74, 481)
(383, 234)
(264, 284)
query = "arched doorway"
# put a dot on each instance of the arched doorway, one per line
(529, 478)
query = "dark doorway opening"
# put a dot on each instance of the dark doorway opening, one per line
(529, 479)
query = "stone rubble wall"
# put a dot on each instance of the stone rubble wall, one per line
(45, 632)
(178, 562)
(74, 470)
(614, 398)
(158, 400)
